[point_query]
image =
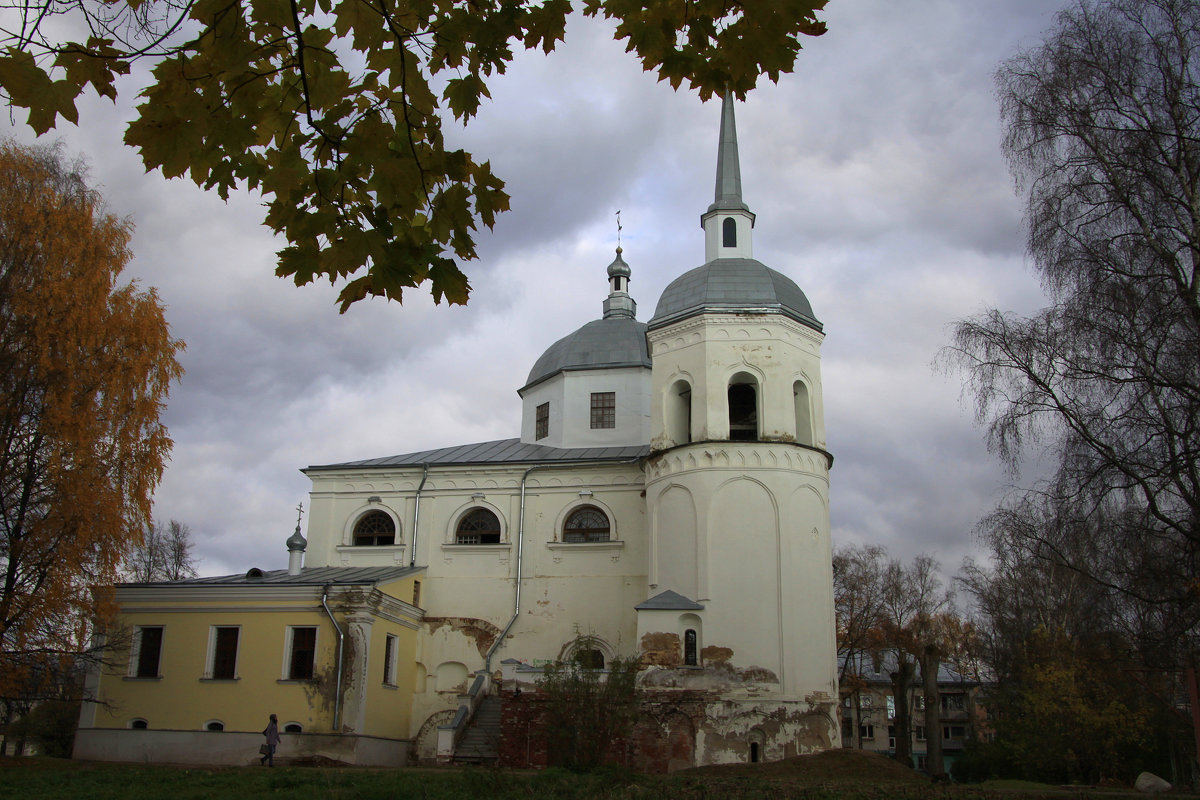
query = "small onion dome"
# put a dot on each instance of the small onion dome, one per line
(618, 267)
(296, 541)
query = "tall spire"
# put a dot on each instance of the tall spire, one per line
(728, 222)
(728, 195)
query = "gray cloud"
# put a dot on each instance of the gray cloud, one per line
(877, 179)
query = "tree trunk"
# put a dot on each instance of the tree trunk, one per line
(901, 680)
(934, 762)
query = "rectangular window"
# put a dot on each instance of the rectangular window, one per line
(302, 653)
(541, 428)
(866, 731)
(952, 703)
(417, 593)
(954, 731)
(147, 650)
(604, 409)
(891, 737)
(223, 652)
(920, 733)
(389, 660)
(891, 707)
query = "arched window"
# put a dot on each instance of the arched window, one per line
(804, 431)
(375, 528)
(139, 724)
(586, 524)
(729, 233)
(743, 408)
(679, 412)
(590, 658)
(479, 526)
(691, 657)
(293, 727)
(214, 725)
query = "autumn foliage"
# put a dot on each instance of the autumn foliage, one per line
(85, 366)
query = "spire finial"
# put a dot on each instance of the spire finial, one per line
(728, 194)
(618, 231)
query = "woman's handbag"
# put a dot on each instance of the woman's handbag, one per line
(265, 749)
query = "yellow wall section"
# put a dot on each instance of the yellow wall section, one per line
(181, 699)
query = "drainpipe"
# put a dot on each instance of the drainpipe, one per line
(487, 664)
(337, 697)
(412, 562)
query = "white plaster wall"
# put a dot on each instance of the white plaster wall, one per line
(232, 748)
(764, 568)
(570, 396)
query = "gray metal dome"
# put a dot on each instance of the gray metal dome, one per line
(612, 342)
(732, 284)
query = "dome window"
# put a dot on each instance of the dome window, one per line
(604, 410)
(729, 232)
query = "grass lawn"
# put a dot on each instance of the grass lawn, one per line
(839, 774)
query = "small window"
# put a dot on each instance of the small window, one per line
(891, 707)
(866, 731)
(891, 737)
(480, 526)
(222, 661)
(954, 731)
(604, 409)
(147, 650)
(214, 725)
(303, 653)
(729, 232)
(690, 657)
(586, 524)
(541, 428)
(374, 528)
(293, 727)
(417, 593)
(390, 646)
(139, 724)
(920, 733)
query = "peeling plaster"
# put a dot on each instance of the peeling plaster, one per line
(482, 632)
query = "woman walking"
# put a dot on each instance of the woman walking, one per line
(272, 734)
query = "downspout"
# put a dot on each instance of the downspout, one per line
(337, 697)
(487, 664)
(412, 562)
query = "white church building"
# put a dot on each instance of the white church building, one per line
(668, 496)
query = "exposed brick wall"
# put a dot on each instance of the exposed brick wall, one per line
(663, 739)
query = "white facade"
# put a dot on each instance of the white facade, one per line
(699, 441)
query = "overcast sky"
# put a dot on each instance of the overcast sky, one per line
(875, 174)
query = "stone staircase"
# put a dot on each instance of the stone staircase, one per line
(481, 740)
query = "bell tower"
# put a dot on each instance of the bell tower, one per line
(737, 483)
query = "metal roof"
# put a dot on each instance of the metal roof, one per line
(731, 285)
(600, 344)
(501, 451)
(669, 601)
(309, 576)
